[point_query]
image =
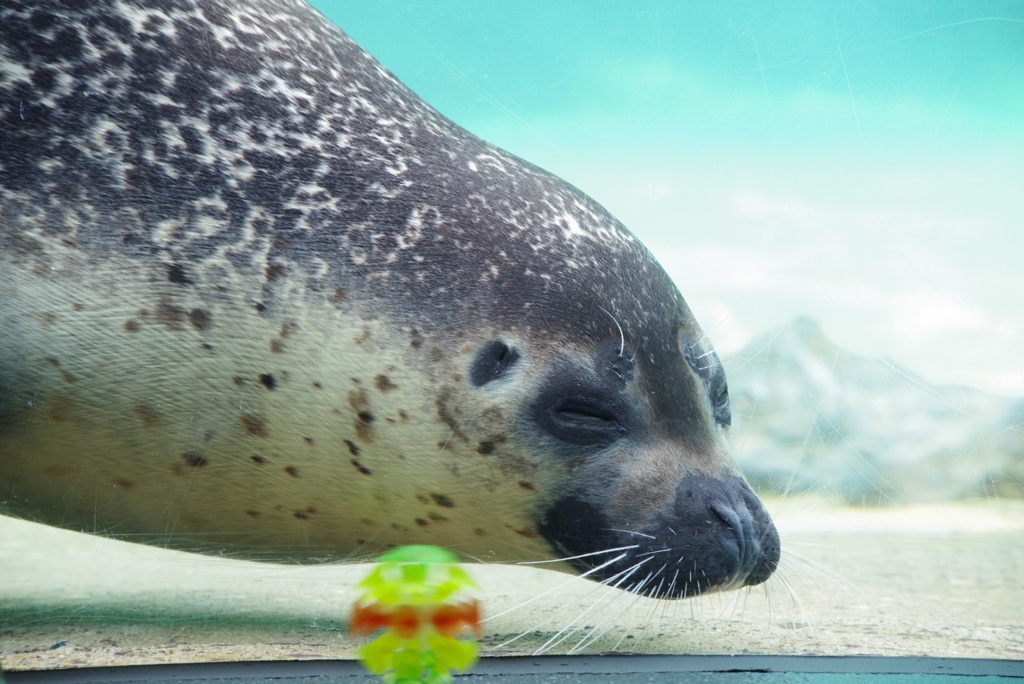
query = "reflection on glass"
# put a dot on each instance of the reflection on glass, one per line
(835, 191)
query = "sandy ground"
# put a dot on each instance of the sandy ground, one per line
(925, 581)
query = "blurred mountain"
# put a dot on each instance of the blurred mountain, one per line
(808, 416)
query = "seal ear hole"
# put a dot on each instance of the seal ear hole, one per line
(492, 362)
(615, 361)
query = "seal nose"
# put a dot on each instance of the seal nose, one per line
(752, 550)
(730, 534)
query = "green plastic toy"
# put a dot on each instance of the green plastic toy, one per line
(423, 600)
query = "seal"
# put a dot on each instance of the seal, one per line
(257, 297)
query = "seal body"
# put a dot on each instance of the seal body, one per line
(256, 296)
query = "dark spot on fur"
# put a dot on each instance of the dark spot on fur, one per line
(301, 515)
(64, 374)
(78, 306)
(260, 307)
(170, 316)
(403, 416)
(437, 517)
(445, 413)
(176, 274)
(308, 440)
(252, 514)
(207, 346)
(360, 467)
(292, 470)
(317, 385)
(132, 325)
(352, 448)
(200, 319)
(61, 408)
(123, 484)
(238, 380)
(421, 522)
(258, 460)
(485, 448)
(340, 296)
(384, 383)
(254, 425)
(149, 416)
(46, 319)
(528, 486)
(527, 532)
(268, 381)
(480, 532)
(415, 338)
(364, 426)
(443, 500)
(364, 418)
(288, 328)
(275, 271)
(277, 346)
(194, 459)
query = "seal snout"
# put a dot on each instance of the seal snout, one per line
(714, 536)
(731, 542)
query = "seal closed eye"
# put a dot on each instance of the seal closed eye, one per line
(258, 297)
(586, 405)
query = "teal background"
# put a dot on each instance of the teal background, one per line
(857, 162)
(773, 73)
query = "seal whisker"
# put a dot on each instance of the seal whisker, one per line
(638, 591)
(572, 580)
(622, 335)
(672, 584)
(632, 532)
(823, 570)
(569, 629)
(600, 587)
(582, 555)
(655, 551)
(455, 426)
(610, 620)
(618, 578)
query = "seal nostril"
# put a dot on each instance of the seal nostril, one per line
(742, 546)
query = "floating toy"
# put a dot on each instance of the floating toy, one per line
(423, 600)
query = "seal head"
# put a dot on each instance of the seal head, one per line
(258, 297)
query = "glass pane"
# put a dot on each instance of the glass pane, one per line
(834, 188)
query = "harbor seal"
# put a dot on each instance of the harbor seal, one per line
(258, 298)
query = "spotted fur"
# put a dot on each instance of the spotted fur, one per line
(258, 296)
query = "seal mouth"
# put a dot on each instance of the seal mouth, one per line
(717, 536)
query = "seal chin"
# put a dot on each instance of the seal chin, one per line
(715, 536)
